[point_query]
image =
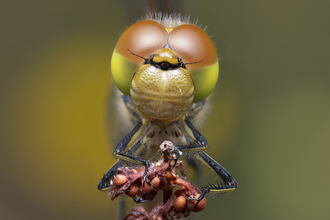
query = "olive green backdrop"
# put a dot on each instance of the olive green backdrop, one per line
(269, 125)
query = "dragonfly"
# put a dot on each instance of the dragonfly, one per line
(164, 68)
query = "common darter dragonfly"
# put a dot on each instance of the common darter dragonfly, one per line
(164, 68)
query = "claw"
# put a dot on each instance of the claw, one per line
(139, 199)
(201, 196)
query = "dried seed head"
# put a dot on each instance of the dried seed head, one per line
(119, 179)
(179, 203)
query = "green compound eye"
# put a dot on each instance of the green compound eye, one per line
(205, 80)
(122, 71)
(194, 45)
(143, 38)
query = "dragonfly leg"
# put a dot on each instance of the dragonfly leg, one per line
(126, 156)
(227, 183)
(105, 182)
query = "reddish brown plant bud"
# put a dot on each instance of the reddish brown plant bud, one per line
(169, 175)
(146, 188)
(155, 182)
(179, 203)
(120, 179)
(132, 190)
(135, 170)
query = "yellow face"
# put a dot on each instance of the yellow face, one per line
(180, 66)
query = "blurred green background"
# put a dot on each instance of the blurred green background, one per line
(269, 125)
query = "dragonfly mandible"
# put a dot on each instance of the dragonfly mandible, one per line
(165, 68)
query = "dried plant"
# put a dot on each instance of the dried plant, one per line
(162, 176)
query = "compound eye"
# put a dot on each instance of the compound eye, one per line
(142, 38)
(194, 45)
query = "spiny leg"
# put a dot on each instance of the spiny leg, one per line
(105, 181)
(228, 183)
(126, 155)
(194, 111)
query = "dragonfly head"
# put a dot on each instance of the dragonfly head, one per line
(180, 67)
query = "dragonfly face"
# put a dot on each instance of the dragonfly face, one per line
(162, 88)
(182, 67)
(165, 68)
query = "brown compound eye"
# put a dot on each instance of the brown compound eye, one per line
(194, 45)
(142, 38)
